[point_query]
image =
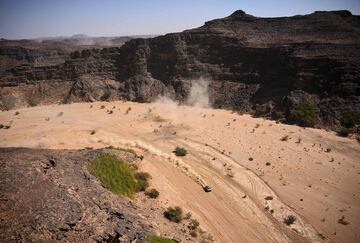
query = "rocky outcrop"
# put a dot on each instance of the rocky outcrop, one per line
(50, 196)
(249, 61)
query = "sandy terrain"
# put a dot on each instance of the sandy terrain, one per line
(312, 174)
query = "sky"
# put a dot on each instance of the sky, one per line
(49, 18)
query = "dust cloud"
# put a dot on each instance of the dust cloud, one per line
(198, 96)
(199, 93)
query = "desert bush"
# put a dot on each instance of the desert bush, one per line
(194, 224)
(230, 174)
(350, 118)
(304, 114)
(152, 193)
(160, 239)
(289, 220)
(277, 115)
(219, 102)
(114, 174)
(174, 214)
(284, 138)
(345, 132)
(260, 111)
(194, 233)
(33, 101)
(128, 110)
(343, 221)
(179, 151)
(142, 179)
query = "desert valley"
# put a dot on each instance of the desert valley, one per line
(243, 130)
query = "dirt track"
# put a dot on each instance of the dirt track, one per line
(226, 151)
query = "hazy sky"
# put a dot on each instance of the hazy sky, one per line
(43, 18)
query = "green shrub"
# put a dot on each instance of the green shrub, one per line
(174, 214)
(179, 151)
(350, 118)
(152, 193)
(289, 220)
(115, 174)
(304, 114)
(160, 239)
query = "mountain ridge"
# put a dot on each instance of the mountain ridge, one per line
(251, 64)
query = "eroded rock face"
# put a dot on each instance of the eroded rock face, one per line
(49, 196)
(253, 60)
(247, 60)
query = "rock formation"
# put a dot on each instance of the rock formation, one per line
(250, 62)
(50, 196)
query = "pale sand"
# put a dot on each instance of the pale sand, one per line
(316, 186)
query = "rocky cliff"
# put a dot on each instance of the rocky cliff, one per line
(269, 66)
